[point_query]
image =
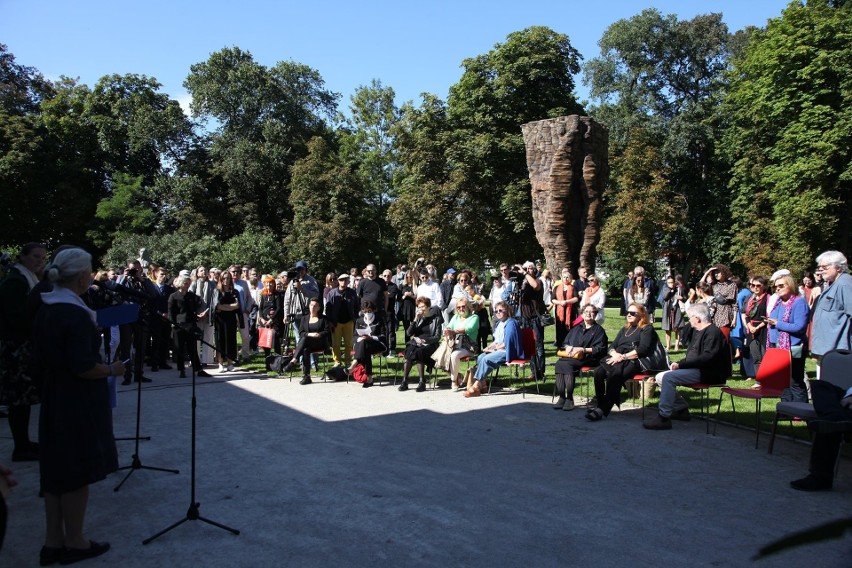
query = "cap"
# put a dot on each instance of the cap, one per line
(451, 271)
(184, 273)
(302, 264)
(343, 277)
(778, 274)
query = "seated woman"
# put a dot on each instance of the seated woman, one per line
(468, 324)
(425, 334)
(636, 339)
(505, 347)
(369, 338)
(314, 332)
(587, 339)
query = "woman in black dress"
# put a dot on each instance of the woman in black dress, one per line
(407, 303)
(227, 316)
(425, 334)
(314, 332)
(368, 339)
(271, 315)
(77, 446)
(636, 339)
(584, 346)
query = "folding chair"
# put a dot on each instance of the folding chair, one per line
(581, 372)
(773, 375)
(321, 361)
(836, 368)
(528, 344)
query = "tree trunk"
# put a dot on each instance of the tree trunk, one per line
(567, 158)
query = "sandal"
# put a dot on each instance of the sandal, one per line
(594, 415)
(473, 391)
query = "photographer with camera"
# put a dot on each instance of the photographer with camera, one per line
(136, 333)
(302, 286)
(524, 294)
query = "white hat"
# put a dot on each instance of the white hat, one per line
(778, 274)
(529, 264)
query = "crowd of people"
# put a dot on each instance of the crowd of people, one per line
(53, 351)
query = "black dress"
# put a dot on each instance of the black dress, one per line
(76, 441)
(226, 327)
(593, 337)
(610, 378)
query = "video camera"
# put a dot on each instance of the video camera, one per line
(292, 274)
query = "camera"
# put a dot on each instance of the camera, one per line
(292, 274)
(516, 276)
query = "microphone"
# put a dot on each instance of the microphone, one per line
(122, 290)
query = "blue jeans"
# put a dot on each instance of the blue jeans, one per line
(669, 381)
(487, 362)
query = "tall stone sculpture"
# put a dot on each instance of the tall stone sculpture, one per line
(567, 158)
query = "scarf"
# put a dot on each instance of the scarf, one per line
(589, 293)
(783, 336)
(60, 295)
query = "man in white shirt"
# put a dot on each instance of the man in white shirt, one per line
(430, 289)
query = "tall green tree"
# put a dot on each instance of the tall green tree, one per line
(663, 77)
(481, 197)
(330, 215)
(263, 118)
(367, 146)
(790, 138)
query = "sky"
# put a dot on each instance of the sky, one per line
(413, 47)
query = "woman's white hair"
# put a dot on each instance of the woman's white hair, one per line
(67, 265)
(834, 257)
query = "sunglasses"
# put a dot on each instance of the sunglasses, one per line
(634, 314)
(499, 311)
(756, 285)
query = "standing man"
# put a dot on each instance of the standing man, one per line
(391, 321)
(446, 286)
(832, 321)
(134, 334)
(161, 330)
(374, 289)
(341, 311)
(204, 288)
(246, 302)
(530, 307)
(309, 284)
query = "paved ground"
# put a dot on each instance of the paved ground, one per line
(333, 474)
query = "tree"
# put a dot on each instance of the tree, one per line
(476, 180)
(663, 78)
(790, 138)
(265, 118)
(330, 229)
(367, 146)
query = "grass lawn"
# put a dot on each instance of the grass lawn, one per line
(745, 408)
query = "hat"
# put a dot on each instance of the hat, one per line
(302, 264)
(184, 273)
(343, 277)
(451, 271)
(529, 264)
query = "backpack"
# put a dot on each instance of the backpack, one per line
(278, 362)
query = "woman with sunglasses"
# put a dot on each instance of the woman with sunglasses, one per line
(635, 340)
(592, 295)
(505, 347)
(788, 324)
(754, 317)
(462, 323)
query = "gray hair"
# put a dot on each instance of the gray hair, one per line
(181, 280)
(700, 311)
(67, 265)
(834, 257)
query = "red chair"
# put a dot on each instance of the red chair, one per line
(528, 344)
(773, 375)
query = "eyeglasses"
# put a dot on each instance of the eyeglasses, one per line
(499, 311)
(782, 285)
(634, 314)
(755, 285)
(461, 306)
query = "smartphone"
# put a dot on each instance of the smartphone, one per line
(126, 362)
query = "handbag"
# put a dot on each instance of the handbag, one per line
(462, 341)
(658, 360)
(265, 337)
(546, 320)
(576, 355)
(442, 355)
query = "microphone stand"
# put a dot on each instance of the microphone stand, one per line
(192, 513)
(136, 463)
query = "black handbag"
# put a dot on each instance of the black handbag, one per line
(658, 360)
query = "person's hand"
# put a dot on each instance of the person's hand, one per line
(771, 321)
(6, 481)
(674, 366)
(116, 368)
(361, 338)
(846, 402)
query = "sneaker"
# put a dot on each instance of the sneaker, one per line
(658, 422)
(222, 368)
(230, 367)
(560, 402)
(569, 405)
(811, 483)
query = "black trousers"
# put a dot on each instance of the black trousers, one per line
(826, 445)
(186, 344)
(566, 369)
(132, 335)
(364, 350)
(609, 379)
(308, 344)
